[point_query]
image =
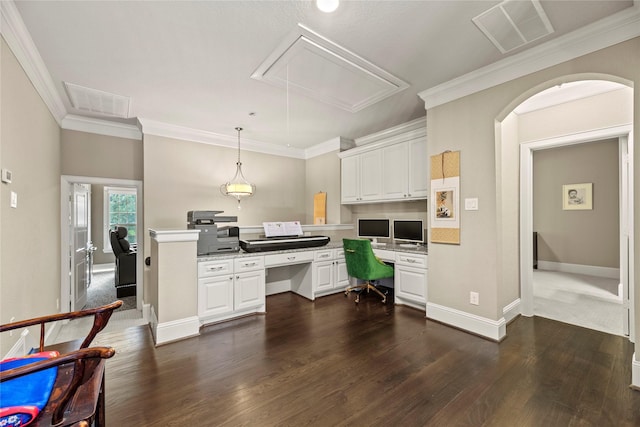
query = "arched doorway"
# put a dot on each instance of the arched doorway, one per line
(510, 149)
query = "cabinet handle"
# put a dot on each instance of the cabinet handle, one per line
(291, 258)
(411, 261)
(218, 268)
(250, 264)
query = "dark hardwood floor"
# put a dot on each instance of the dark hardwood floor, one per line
(331, 362)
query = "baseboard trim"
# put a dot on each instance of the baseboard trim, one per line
(494, 330)
(589, 270)
(175, 330)
(635, 372)
(511, 311)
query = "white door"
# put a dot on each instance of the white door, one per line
(79, 244)
(249, 290)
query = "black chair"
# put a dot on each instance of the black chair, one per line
(125, 263)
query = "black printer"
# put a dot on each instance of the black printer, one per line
(213, 239)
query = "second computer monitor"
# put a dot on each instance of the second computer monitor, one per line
(408, 230)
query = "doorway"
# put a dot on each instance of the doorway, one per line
(578, 276)
(71, 299)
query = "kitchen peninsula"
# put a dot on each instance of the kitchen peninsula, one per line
(191, 291)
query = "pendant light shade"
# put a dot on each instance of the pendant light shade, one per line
(238, 186)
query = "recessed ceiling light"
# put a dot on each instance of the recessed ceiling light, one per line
(327, 6)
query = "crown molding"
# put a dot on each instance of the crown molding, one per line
(606, 32)
(419, 125)
(335, 144)
(21, 44)
(153, 127)
(100, 127)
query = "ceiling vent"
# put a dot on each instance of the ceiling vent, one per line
(514, 23)
(314, 66)
(97, 101)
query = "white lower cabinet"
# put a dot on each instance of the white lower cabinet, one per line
(329, 272)
(249, 290)
(229, 288)
(410, 280)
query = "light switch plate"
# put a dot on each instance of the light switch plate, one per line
(6, 176)
(14, 199)
(471, 204)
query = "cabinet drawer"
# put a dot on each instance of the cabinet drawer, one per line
(215, 268)
(288, 258)
(385, 255)
(411, 260)
(323, 255)
(339, 254)
(249, 263)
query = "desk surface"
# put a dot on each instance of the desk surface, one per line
(418, 250)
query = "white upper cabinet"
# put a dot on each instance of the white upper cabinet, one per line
(387, 166)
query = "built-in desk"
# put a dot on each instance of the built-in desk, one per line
(236, 284)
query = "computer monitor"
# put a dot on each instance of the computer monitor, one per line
(373, 228)
(408, 230)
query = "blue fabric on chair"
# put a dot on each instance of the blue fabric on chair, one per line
(22, 398)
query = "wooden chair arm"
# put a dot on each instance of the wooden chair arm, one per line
(100, 320)
(84, 353)
(79, 373)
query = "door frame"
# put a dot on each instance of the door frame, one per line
(623, 132)
(65, 182)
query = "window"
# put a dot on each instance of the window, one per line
(120, 205)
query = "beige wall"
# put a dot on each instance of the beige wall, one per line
(482, 262)
(323, 174)
(589, 237)
(180, 176)
(30, 244)
(88, 154)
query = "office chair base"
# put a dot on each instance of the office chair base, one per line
(365, 287)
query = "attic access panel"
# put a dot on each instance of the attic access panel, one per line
(312, 65)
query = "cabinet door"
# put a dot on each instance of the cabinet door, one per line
(411, 283)
(371, 175)
(395, 160)
(341, 275)
(418, 178)
(323, 276)
(249, 290)
(350, 178)
(215, 295)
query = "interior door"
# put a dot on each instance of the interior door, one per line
(79, 244)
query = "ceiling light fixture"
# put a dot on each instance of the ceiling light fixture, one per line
(327, 6)
(238, 187)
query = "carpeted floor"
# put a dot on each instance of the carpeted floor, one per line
(586, 301)
(103, 291)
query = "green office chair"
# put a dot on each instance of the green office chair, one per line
(364, 265)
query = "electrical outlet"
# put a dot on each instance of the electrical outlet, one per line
(474, 298)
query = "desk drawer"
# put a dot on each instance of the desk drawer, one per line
(288, 258)
(385, 255)
(324, 255)
(249, 264)
(215, 268)
(411, 260)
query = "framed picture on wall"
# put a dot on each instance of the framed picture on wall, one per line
(577, 197)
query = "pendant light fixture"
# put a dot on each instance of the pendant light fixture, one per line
(238, 186)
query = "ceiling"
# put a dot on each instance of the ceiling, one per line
(190, 64)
